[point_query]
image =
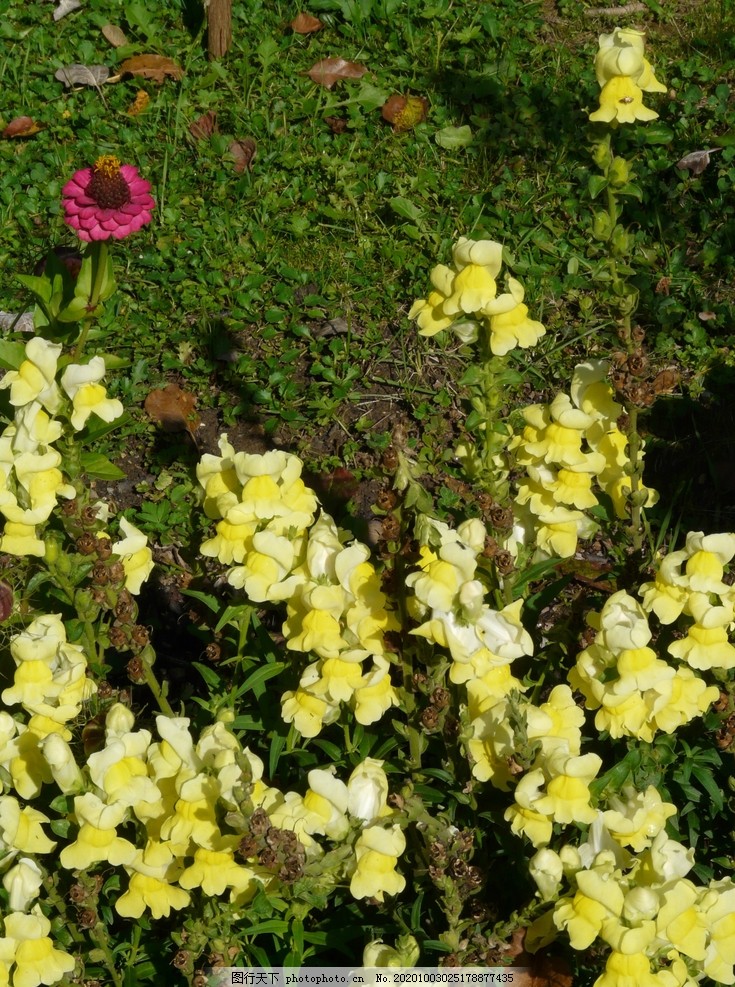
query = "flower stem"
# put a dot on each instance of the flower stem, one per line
(634, 448)
(98, 251)
(156, 689)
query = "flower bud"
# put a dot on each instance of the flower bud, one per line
(53, 541)
(620, 241)
(22, 882)
(547, 870)
(619, 172)
(58, 756)
(601, 226)
(601, 154)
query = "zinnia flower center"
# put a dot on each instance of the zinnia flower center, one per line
(108, 187)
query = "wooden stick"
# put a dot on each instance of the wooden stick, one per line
(628, 8)
(219, 28)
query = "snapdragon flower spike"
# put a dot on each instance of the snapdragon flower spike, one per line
(107, 200)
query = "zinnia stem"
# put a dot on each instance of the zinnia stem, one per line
(98, 250)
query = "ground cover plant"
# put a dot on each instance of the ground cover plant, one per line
(360, 601)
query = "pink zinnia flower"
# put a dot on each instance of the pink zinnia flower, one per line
(107, 200)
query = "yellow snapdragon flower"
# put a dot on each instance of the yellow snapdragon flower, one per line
(88, 396)
(151, 872)
(35, 379)
(377, 851)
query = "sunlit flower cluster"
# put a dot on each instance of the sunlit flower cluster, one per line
(337, 611)
(690, 583)
(50, 683)
(555, 787)
(263, 509)
(571, 449)
(335, 607)
(635, 692)
(31, 477)
(624, 74)
(172, 796)
(449, 600)
(628, 888)
(465, 298)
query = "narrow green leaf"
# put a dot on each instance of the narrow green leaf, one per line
(256, 681)
(208, 674)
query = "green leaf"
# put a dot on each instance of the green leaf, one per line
(405, 208)
(99, 467)
(76, 310)
(256, 681)
(40, 288)
(278, 742)
(630, 188)
(708, 783)
(99, 428)
(210, 602)
(596, 184)
(130, 978)
(370, 97)
(658, 132)
(274, 925)
(11, 354)
(208, 674)
(451, 138)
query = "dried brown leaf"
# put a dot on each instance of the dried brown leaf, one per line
(21, 127)
(665, 382)
(243, 153)
(305, 24)
(82, 75)
(697, 161)
(328, 71)
(337, 125)
(172, 408)
(154, 67)
(204, 126)
(140, 103)
(405, 112)
(114, 35)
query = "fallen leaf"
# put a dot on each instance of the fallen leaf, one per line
(330, 70)
(173, 409)
(65, 7)
(204, 126)
(405, 112)
(451, 137)
(154, 67)
(21, 127)
(82, 75)
(697, 161)
(244, 153)
(337, 125)
(305, 24)
(140, 103)
(114, 35)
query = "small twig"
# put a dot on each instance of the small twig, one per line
(628, 8)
